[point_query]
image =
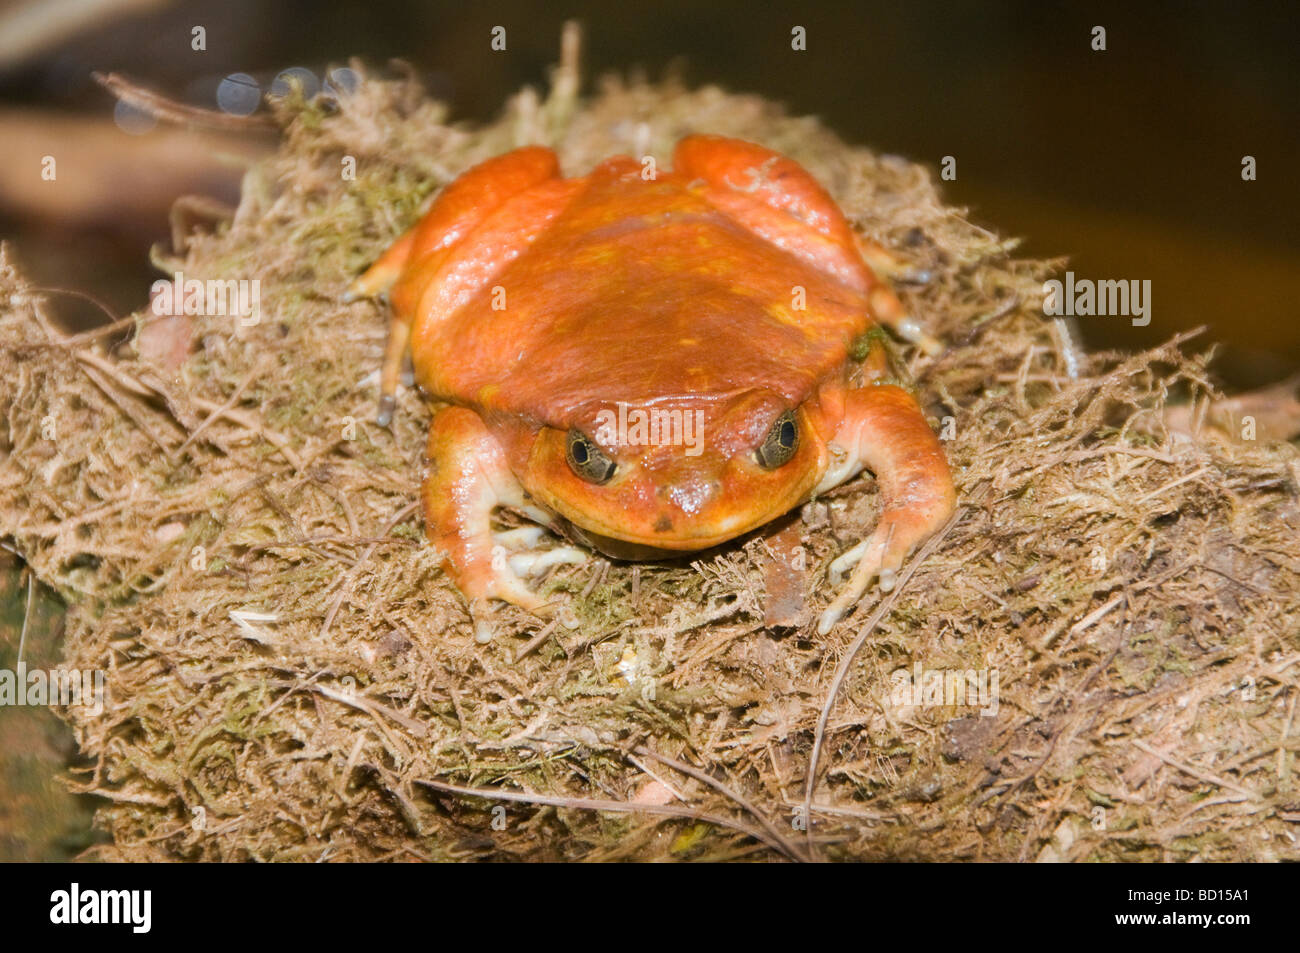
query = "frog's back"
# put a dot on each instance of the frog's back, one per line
(641, 292)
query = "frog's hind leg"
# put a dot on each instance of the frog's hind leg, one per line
(399, 335)
(468, 479)
(774, 180)
(885, 430)
(383, 274)
(379, 279)
(466, 201)
(777, 198)
(409, 264)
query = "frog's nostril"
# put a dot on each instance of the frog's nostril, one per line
(663, 525)
(692, 492)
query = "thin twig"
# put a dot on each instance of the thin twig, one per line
(536, 640)
(694, 772)
(71, 293)
(596, 804)
(1199, 775)
(230, 403)
(351, 579)
(27, 612)
(885, 606)
(160, 107)
(252, 425)
(130, 414)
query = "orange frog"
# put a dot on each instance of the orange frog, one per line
(649, 363)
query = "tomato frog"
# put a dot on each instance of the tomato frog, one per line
(650, 363)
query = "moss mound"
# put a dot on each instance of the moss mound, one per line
(289, 676)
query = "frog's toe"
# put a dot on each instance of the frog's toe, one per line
(525, 560)
(911, 330)
(485, 615)
(846, 561)
(534, 564)
(485, 621)
(504, 580)
(504, 585)
(519, 538)
(508, 587)
(914, 276)
(828, 619)
(842, 604)
(871, 559)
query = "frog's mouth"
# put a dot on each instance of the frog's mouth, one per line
(619, 549)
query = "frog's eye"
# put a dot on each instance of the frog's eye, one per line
(780, 443)
(586, 459)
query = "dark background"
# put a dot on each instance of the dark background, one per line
(1128, 160)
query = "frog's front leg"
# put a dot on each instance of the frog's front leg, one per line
(469, 478)
(885, 431)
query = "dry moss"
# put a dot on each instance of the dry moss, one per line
(1134, 586)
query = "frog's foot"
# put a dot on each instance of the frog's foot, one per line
(885, 431)
(468, 479)
(889, 266)
(889, 311)
(868, 559)
(515, 559)
(529, 564)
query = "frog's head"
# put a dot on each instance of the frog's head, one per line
(676, 474)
